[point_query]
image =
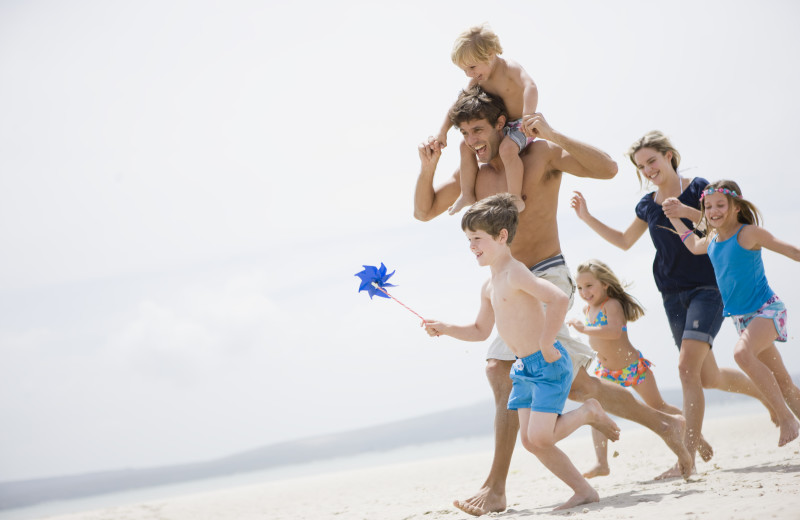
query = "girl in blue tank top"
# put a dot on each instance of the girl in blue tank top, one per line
(734, 246)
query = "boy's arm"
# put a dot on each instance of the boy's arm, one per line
(570, 155)
(556, 306)
(695, 244)
(430, 202)
(753, 237)
(530, 98)
(478, 331)
(530, 93)
(447, 124)
(442, 135)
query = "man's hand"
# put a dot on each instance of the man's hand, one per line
(430, 151)
(442, 140)
(535, 125)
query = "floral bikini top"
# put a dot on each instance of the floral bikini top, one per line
(601, 319)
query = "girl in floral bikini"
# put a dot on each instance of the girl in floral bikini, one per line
(607, 312)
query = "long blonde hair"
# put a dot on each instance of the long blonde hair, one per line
(631, 307)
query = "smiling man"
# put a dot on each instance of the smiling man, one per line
(480, 117)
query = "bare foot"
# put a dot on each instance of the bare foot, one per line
(520, 204)
(483, 502)
(705, 450)
(461, 202)
(789, 432)
(600, 470)
(579, 499)
(673, 436)
(675, 472)
(599, 420)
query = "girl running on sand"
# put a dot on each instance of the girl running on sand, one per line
(734, 246)
(609, 309)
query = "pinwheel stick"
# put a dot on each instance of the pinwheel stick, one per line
(384, 291)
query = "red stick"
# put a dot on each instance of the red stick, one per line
(398, 301)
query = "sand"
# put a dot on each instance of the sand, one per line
(749, 477)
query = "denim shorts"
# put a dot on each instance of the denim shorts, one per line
(539, 385)
(694, 314)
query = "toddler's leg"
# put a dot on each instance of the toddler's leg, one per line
(756, 338)
(467, 173)
(539, 438)
(509, 154)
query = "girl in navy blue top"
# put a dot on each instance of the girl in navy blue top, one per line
(734, 246)
(688, 288)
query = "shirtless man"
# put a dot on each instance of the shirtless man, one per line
(480, 118)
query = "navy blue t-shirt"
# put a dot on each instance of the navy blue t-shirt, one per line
(675, 268)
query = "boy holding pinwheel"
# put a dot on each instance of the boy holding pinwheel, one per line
(528, 312)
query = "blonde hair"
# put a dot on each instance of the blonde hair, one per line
(631, 307)
(657, 141)
(475, 45)
(748, 212)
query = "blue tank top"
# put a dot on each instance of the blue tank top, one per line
(740, 275)
(675, 268)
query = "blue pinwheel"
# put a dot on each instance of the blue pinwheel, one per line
(374, 279)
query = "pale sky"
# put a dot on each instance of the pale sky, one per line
(188, 188)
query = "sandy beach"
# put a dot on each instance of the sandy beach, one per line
(749, 477)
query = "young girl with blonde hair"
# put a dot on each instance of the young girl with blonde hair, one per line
(734, 245)
(609, 307)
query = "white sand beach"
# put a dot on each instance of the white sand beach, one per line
(749, 477)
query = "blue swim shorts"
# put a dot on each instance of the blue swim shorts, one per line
(694, 314)
(539, 385)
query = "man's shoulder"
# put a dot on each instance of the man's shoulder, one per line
(540, 149)
(537, 157)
